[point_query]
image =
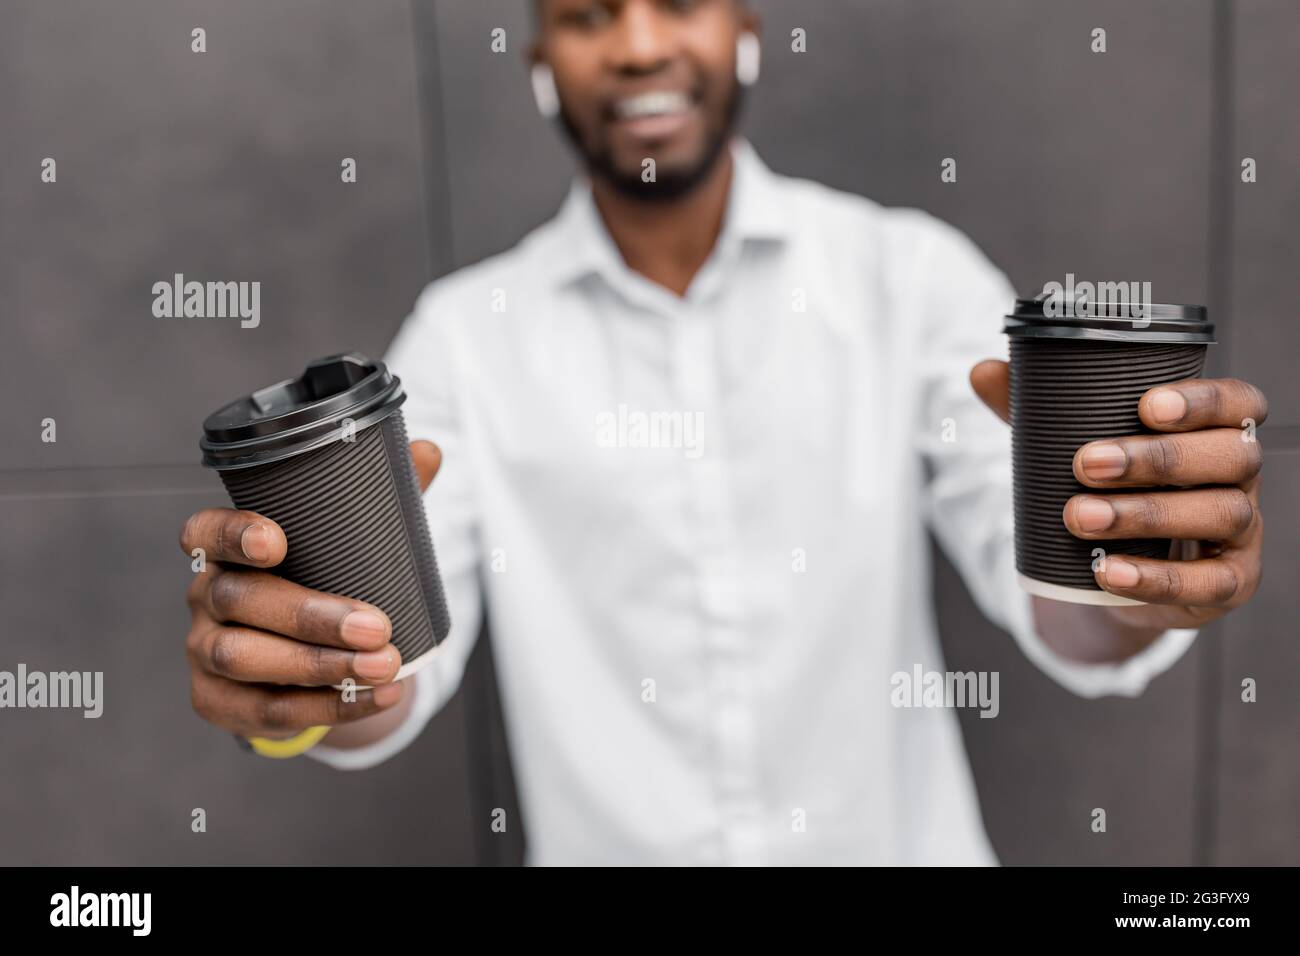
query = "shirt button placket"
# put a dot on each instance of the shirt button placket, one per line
(728, 658)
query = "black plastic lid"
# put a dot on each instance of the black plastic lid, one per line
(1109, 321)
(300, 414)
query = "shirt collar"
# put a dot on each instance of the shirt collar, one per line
(583, 247)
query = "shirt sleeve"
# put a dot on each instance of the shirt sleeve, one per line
(966, 449)
(423, 356)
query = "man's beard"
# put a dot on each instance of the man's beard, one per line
(668, 184)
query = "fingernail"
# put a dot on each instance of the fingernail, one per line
(1104, 461)
(387, 694)
(255, 543)
(1121, 574)
(372, 665)
(364, 629)
(1093, 514)
(1167, 406)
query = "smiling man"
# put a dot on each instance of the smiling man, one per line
(695, 650)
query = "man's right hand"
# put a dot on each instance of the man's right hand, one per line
(264, 652)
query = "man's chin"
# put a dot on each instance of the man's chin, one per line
(676, 154)
(665, 187)
(665, 167)
(670, 178)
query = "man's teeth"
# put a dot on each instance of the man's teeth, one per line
(651, 104)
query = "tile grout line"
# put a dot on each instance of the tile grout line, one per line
(1220, 249)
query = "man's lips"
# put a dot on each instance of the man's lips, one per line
(653, 103)
(653, 115)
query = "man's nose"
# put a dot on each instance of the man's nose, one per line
(643, 39)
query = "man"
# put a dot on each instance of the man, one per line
(695, 639)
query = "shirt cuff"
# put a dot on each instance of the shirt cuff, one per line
(1126, 678)
(361, 758)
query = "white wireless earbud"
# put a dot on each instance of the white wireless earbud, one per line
(748, 56)
(544, 93)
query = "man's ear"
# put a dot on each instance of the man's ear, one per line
(749, 19)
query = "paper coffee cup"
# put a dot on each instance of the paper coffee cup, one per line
(1076, 377)
(326, 457)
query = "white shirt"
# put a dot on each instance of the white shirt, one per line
(696, 642)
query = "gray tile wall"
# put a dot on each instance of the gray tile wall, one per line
(1253, 755)
(220, 165)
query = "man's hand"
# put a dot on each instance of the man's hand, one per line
(263, 651)
(1207, 454)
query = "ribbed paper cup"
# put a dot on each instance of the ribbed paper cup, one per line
(1076, 380)
(326, 457)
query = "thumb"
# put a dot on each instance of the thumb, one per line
(427, 458)
(991, 380)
